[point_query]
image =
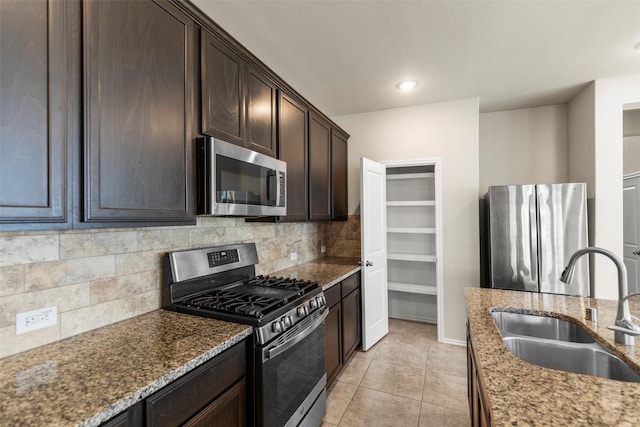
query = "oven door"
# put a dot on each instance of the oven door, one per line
(291, 376)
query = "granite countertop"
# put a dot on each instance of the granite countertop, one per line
(87, 379)
(326, 271)
(520, 393)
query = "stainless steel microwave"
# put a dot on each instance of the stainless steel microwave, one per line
(235, 181)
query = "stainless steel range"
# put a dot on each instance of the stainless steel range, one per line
(288, 320)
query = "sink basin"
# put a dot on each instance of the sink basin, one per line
(560, 344)
(582, 359)
(540, 327)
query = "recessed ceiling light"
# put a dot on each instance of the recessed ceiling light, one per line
(407, 85)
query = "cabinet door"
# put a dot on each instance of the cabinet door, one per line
(229, 410)
(319, 168)
(36, 72)
(261, 113)
(333, 342)
(190, 394)
(222, 78)
(139, 112)
(293, 150)
(131, 417)
(350, 324)
(339, 197)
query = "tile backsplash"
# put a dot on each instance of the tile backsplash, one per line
(98, 277)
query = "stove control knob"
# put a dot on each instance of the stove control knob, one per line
(302, 311)
(321, 300)
(277, 326)
(287, 321)
(313, 304)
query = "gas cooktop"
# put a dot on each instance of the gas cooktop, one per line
(255, 297)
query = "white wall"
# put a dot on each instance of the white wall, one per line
(595, 152)
(582, 140)
(610, 97)
(525, 146)
(448, 130)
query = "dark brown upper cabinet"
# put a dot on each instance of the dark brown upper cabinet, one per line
(293, 144)
(139, 109)
(36, 134)
(222, 82)
(339, 194)
(319, 168)
(261, 96)
(238, 100)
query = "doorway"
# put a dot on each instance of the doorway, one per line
(631, 195)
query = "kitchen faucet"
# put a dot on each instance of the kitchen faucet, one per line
(625, 328)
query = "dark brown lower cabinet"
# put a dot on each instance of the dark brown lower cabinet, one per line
(333, 333)
(192, 396)
(479, 409)
(227, 410)
(132, 417)
(343, 325)
(351, 323)
(214, 394)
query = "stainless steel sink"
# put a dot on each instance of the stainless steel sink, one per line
(560, 344)
(591, 359)
(540, 327)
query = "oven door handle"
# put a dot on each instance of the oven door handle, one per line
(273, 352)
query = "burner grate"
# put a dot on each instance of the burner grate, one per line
(281, 283)
(255, 297)
(233, 302)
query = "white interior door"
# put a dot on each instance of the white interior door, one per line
(373, 217)
(631, 230)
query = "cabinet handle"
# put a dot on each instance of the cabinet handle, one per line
(368, 264)
(636, 252)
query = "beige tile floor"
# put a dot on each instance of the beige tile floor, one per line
(407, 379)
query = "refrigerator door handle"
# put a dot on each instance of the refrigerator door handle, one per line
(533, 236)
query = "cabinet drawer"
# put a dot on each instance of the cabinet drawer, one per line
(131, 417)
(180, 400)
(226, 411)
(333, 295)
(350, 284)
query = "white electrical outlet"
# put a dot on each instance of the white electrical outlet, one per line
(323, 249)
(294, 256)
(36, 319)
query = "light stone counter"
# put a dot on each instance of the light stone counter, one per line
(87, 379)
(523, 394)
(326, 271)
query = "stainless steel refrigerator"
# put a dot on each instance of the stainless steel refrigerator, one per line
(531, 232)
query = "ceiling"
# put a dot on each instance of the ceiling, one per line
(347, 56)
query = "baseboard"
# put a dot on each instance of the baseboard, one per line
(454, 342)
(413, 319)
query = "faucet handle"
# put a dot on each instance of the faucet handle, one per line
(632, 332)
(625, 336)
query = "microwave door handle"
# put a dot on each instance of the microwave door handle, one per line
(278, 189)
(273, 352)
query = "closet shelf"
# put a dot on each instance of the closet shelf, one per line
(412, 203)
(398, 256)
(413, 288)
(412, 176)
(411, 230)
